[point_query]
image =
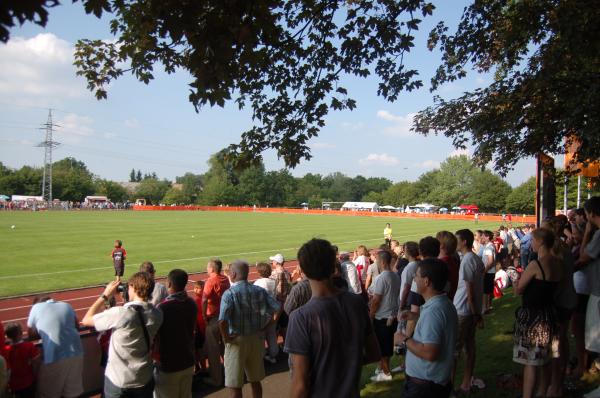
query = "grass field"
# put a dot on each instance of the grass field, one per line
(55, 250)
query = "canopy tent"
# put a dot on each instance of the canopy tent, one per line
(443, 210)
(456, 208)
(26, 198)
(388, 208)
(4, 198)
(90, 199)
(470, 209)
(361, 206)
(425, 208)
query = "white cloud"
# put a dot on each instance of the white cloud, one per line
(460, 152)
(401, 124)
(74, 128)
(353, 126)
(38, 69)
(428, 164)
(322, 145)
(385, 115)
(480, 80)
(380, 159)
(132, 123)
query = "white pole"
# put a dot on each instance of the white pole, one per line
(566, 191)
(578, 192)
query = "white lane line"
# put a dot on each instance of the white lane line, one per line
(75, 309)
(190, 281)
(28, 306)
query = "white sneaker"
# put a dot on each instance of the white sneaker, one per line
(378, 371)
(381, 377)
(398, 369)
(593, 394)
(477, 383)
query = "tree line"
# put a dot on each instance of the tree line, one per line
(457, 181)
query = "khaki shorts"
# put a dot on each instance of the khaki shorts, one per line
(61, 379)
(465, 337)
(173, 384)
(244, 355)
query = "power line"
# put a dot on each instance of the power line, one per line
(120, 156)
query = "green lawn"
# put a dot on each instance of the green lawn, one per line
(56, 250)
(494, 357)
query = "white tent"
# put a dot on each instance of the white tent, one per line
(361, 206)
(388, 208)
(95, 199)
(26, 198)
(425, 208)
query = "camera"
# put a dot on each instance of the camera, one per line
(400, 349)
(123, 289)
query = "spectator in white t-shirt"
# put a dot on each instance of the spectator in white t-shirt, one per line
(468, 302)
(589, 259)
(411, 251)
(361, 260)
(383, 312)
(264, 271)
(349, 273)
(372, 270)
(134, 326)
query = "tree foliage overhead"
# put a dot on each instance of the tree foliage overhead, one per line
(18, 11)
(545, 56)
(283, 58)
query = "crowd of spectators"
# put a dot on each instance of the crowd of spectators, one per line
(64, 205)
(334, 313)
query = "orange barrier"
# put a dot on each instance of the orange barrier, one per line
(519, 219)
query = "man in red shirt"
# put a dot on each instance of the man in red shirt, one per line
(215, 286)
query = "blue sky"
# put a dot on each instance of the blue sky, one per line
(154, 127)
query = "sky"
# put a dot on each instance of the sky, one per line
(156, 129)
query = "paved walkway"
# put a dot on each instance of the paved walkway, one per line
(276, 384)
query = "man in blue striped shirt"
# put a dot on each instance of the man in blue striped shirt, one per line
(246, 310)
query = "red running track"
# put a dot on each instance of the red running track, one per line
(16, 309)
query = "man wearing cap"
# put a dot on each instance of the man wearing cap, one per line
(283, 285)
